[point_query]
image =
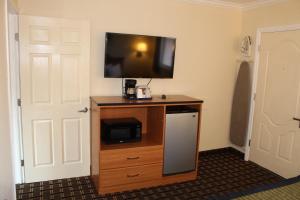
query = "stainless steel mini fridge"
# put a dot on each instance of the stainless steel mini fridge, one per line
(180, 140)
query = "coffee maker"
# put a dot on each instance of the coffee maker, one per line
(130, 88)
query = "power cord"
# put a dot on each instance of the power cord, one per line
(123, 92)
(149, 82)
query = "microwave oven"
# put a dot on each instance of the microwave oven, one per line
(123, 130)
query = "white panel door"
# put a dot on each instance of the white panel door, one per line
(276, 136)
(54, 88)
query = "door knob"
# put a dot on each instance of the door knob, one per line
(297, 119)
(85, 110)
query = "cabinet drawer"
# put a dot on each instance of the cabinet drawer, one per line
(113, 177)
(130, 157)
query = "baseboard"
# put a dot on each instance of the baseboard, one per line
(217, 151)
(241, 149)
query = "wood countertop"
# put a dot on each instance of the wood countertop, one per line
(156, 99)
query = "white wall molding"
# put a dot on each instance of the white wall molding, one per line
(257, 4)
(218, 3)
(243, 6)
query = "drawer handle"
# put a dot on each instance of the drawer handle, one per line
(133, 158)
(133, 175)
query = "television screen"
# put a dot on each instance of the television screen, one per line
(139, 56)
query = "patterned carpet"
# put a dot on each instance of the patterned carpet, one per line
(221, 172)
(290, 192)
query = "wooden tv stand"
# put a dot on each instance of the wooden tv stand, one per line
(121, 167)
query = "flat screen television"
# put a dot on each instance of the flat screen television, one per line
(139, 56)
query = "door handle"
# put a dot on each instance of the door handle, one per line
(297, 119)
(85, 110)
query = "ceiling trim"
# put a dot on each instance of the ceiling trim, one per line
(244, 6)
(215, 3)
(257, 3)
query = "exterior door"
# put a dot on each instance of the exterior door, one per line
(54, 62)
(276, 136)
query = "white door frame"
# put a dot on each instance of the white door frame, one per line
(259, 32)
(14, 92)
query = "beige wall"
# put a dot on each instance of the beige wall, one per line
(14, 4)
(207, 40)
(207, 47)
(6, 172)
(280, 14)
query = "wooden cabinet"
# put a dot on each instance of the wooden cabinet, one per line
(127, 175)
(118, 158)
(121, 167)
